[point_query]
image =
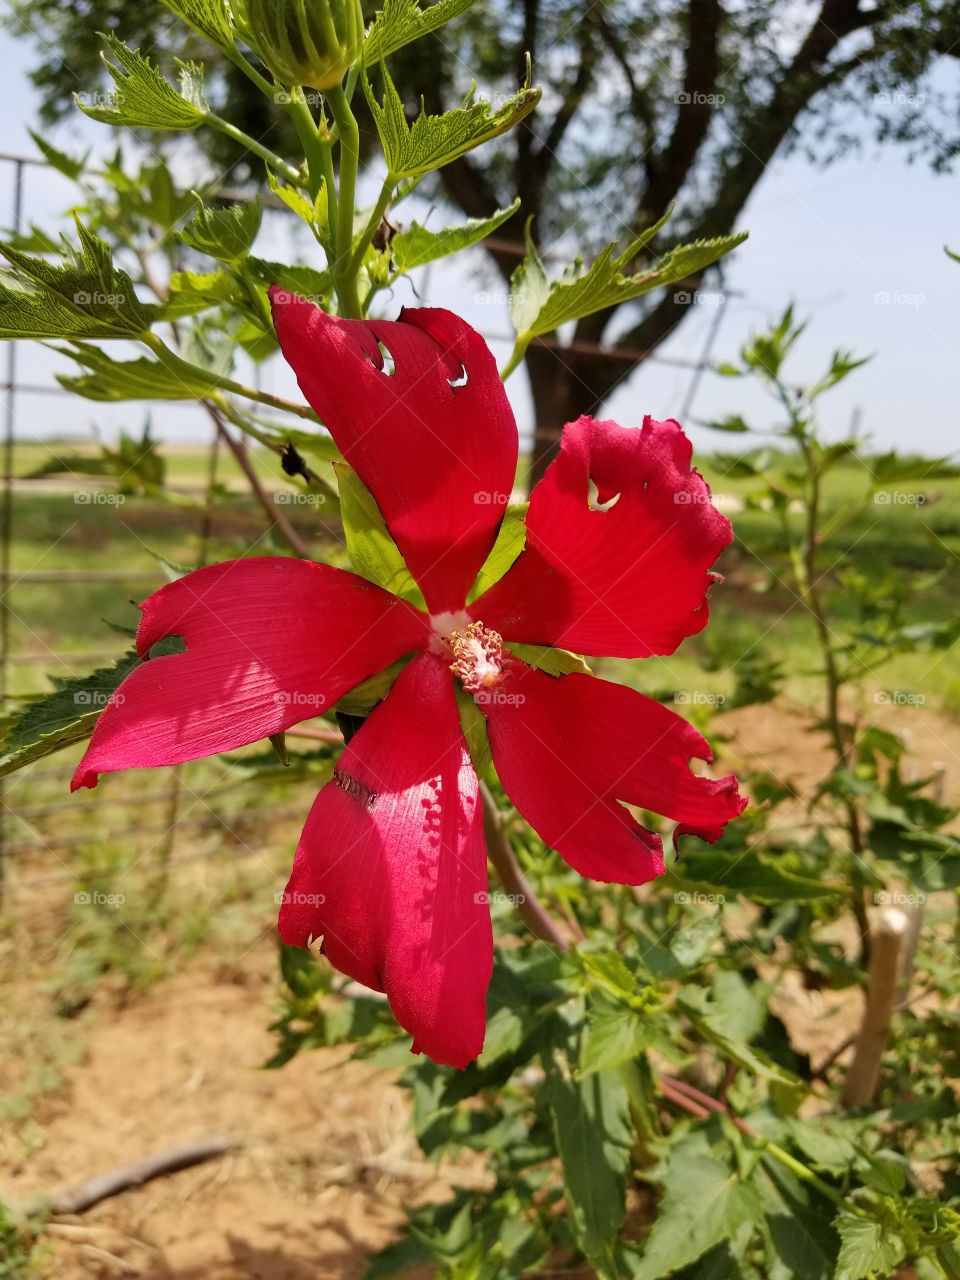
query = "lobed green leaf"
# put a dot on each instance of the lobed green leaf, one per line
(63, 717)
(142, 98)
(210, 17)
(867, 1248)
(226, 234)
(432, 141)
(400, 22)
(539, 306)
(416, 246)
(83, 295)
(704, 1204)
(139, 379)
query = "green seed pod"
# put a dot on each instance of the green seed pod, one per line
(311, 42)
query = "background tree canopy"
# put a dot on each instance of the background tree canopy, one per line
(645, 104)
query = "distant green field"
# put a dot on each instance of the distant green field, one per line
(53, 532)
(187, 465)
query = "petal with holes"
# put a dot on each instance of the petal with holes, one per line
(429, 431)
(391, 868)
(270, 641)
(621, 534)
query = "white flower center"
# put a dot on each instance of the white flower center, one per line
(478, 657)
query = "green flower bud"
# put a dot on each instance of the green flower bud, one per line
(311, 42)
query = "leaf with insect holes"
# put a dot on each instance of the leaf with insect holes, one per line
(539, 306)
(139, 379)
(142, 98)
(210, 17)
(416, 246)
(432, 141)
(225, 234)
(373, 552)
(591, 1121)
(400, 22)
(83, 296)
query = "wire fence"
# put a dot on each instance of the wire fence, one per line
(40, 823)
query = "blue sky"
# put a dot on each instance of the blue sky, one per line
(857, 246)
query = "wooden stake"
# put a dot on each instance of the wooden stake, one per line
(887, 935)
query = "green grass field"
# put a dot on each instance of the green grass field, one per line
(53, 532)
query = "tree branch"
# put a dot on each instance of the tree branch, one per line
(573, 98)
(640, 103)
(239, 451)
(695, 108)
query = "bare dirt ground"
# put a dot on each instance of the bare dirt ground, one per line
(320, 1179)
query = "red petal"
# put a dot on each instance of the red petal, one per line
(568, 748)
(392, 871)
(270, 641)
(629, 581)
(439, 459)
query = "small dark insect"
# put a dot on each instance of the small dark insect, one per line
(354, 787)
(291, 461)
(383, 235)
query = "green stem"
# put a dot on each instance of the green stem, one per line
(353, 75)
(170, 360)
(251, 144)
(834, 681)
(315, 150)
(373, 222)
(344, 275)
(516, 357)
(263, 84)
(806, 1174)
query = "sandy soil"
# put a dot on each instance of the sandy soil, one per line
(319, 1182)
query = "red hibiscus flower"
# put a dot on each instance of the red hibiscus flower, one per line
(391, 869)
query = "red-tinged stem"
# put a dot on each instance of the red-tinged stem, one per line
(531, 910)
(687, 1104)
(701, 1099)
